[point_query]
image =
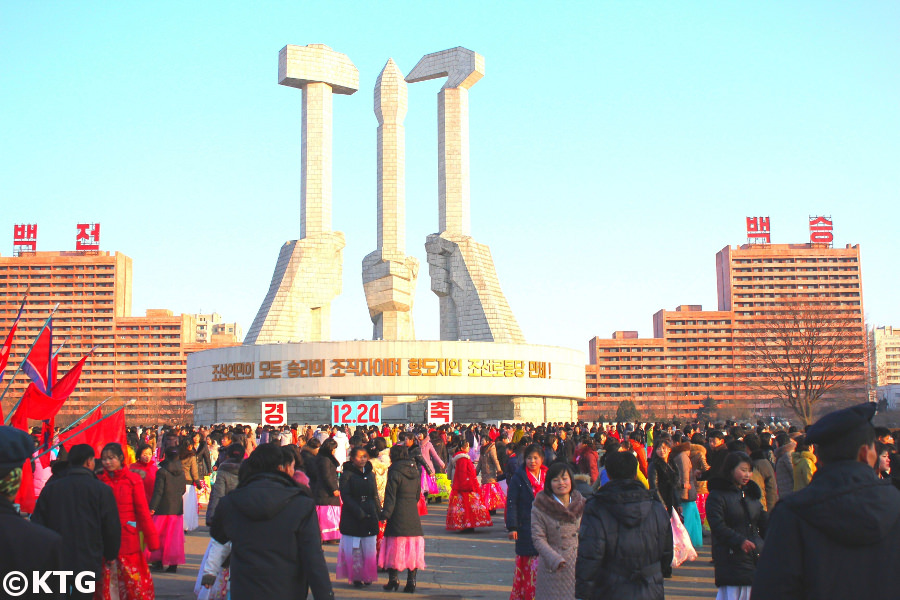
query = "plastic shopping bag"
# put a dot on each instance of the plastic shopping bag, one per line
(684, 550)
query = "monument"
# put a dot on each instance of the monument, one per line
(481, 363)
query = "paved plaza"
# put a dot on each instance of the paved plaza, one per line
(476, 566)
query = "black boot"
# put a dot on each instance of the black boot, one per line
(172, 569)
(157, 566)
(410, 581)
(393, 583)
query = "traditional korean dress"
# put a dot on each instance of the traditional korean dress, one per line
(466, 510)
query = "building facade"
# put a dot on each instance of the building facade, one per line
(886, 360)
(696, 354)
(135, 357)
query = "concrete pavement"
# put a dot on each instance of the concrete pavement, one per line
(473, 566)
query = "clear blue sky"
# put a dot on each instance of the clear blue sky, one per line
(615, 146)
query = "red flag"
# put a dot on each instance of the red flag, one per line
(110, 429)
(39, 406)
(25, 497)
(7, 345)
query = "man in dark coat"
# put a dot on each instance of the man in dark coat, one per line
(83, 511)
(24, 546)
(625, 546)
(226, 478)
(272, 525)
(837, 537)
(715, 455)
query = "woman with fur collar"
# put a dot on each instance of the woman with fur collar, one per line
(555, 520)
(738, 523)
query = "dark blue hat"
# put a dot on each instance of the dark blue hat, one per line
(15, 447)
(835, 425)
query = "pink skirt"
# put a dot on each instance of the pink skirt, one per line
(402, 553)
(329, 522)
(171, 540)
(493, 496)
(356, 560)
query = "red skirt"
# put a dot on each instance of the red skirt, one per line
(493, 495)
(525, 578)
(130, 576)
(701, 505)
(466, 510)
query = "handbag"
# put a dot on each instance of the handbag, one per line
(684, 550)
(422, 506)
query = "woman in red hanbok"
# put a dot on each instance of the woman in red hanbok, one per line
(466, 510)
(128, 575)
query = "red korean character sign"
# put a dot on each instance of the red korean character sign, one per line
(821, 230)
(24, 238)
(758, 230)
(274, 412)
(440, 412)
(88, 236)
(356, 413)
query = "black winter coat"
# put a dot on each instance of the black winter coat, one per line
(276, 543)
(835, 538)
(83, 511)
(26, 546)
(326, 481)
(204, 462)
(309, 465)
(624, 545)
(735, 515)
(226, 480)
(359, 514)
(519, 500)
(401, 498)
(168, 489)
(662, 478)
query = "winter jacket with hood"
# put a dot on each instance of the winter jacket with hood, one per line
(128, 490)
(804, 468)
(735, 515)
(276, 543)
(169, 489)
(554, 531)
(226, 480)
(624, 545)
(401, 498)
(784, 469)
(836, 538)
(359, 493)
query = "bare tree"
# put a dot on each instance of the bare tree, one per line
(802, 353)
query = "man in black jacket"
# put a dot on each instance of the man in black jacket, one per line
(625, 545)
(837, 537)
(272, 525)
(24, 546)
(83, 511)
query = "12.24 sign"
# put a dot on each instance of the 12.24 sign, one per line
(356, 413)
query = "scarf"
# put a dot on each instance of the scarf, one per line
(537, 484)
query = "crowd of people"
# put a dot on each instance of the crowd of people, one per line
(594, 510)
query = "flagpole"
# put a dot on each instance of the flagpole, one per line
(58, 444)
(3, 395)
(83, 417)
